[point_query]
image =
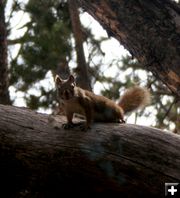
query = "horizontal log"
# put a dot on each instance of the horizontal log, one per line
(40, 159)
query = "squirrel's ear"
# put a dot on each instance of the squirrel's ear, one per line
(71, 79)
(58, 80)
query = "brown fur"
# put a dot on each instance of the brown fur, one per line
(97, 108)
(134, 98)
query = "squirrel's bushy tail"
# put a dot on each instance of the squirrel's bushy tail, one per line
(134, 98)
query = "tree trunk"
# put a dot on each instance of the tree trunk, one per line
(83, 79)
(4, 80)
(40, 159)
(149, 30)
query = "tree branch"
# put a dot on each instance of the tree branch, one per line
(141, 28)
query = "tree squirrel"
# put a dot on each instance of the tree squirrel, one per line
(97, 108)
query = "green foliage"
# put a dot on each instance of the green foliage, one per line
(46, 42)
(166, 107)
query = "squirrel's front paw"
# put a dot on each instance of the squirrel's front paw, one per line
(121, 121)
(68, 126)
(84, 127)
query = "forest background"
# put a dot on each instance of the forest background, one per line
(49, 37)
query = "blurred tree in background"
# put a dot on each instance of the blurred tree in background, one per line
(46, 46)
(49, 46)
(4, 78)
(166, 107)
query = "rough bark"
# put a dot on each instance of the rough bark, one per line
(40, 159)
(149, 30)
(83, 79)
(4, 81)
